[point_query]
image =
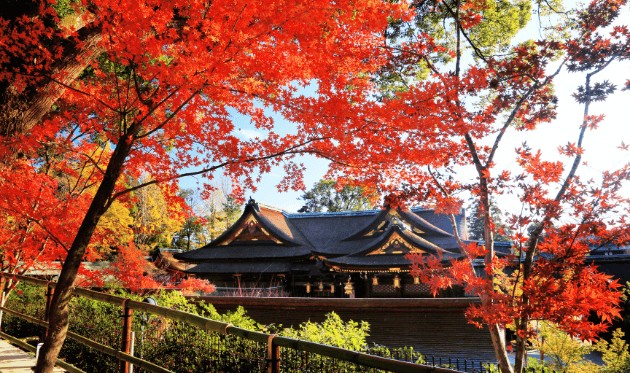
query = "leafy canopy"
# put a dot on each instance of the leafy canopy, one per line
(330, 196)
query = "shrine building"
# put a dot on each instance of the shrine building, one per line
(341, 254)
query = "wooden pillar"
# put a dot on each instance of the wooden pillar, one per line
(273, 356)
(402, 286)
(3, 283)
(125, 343)
(50, 291)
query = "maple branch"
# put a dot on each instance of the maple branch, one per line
(535, 236)
(94, 163)
(451, 216)
(508, 122)
(168, 119)
(117, 79)
(54, 238)
(517, 107)
(459, 52)
(78, 91)
(239, 17)
(146, 101)
(289, 150)
(328, 157)
(473, 152)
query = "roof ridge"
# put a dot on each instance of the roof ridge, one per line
(292, 215)
(274, 208)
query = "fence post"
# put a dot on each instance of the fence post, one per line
(125, 343)
(2, 284)
(273, 356)
(49, 295)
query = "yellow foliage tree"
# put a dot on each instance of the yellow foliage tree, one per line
(155, 217)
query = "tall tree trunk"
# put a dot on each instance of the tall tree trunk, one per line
(498, 342)
(497, 333)
(22, 110)
(58, 323)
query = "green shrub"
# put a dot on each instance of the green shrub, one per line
(616, 353)
(29, 300)
(332, 332)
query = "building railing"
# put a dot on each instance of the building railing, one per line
(245, 350)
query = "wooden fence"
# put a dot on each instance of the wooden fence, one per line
(270, 345)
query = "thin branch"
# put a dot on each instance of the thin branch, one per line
(474, 47)
(509, 121)
(451, 218)
(54, 238)
(173, 114)
(520, 103)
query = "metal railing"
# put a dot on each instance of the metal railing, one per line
(244, 350)
(462, 365)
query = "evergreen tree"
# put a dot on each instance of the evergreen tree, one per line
(502, 232)
(326, 197)
(232, 210)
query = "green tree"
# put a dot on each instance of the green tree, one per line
(326, 196)
(559, 350)
(475, 223)
(232, 211)
(193, 226)
(502, 20)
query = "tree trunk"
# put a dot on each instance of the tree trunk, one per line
(498, 342)
(20, 110)
(59, 314)
(3, 297)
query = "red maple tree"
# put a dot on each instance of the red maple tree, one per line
(420, 138)
(159, 81)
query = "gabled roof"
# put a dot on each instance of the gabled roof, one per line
(404, 238)
(265, 234)
(390, 249)
(262, 232)
(245, 253)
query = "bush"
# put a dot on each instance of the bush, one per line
(616, 354)
(27, 299)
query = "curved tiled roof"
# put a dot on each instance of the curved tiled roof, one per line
(424, 225)
(245, 252)
(325, 232)
(386, 261)
(342, 238)
(442, 222)
(268, 219)
(277, 222)
(405, 234)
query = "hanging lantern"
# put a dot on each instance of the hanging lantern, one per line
(321, 286)
(332, 288)
(416, 280)
(308, 288)
(375, 280)
(396, 281)
(349, 288)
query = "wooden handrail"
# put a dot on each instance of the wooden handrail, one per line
(95, 345)
(68, 367)
(226, 329)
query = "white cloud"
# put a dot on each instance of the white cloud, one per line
(249, 134)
